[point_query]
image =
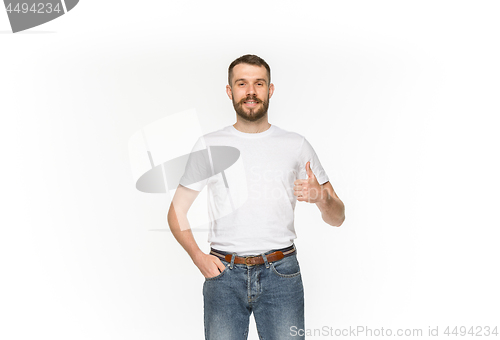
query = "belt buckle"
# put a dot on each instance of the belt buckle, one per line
(249, 257)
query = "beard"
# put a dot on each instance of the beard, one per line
(251, 114)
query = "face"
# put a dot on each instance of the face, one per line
(250, 91)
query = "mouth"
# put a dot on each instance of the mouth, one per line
(251, 102)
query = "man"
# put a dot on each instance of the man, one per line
(252, 266)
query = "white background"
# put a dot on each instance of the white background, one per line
(399, 100)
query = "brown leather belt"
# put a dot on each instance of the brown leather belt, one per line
(256, 259)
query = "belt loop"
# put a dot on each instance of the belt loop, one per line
(232, 261)
(265, 260)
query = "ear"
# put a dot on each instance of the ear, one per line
(271, 90)
(229, 92)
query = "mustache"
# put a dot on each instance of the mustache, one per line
(250, 98)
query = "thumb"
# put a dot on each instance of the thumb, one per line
(310, 174)
(220, 265)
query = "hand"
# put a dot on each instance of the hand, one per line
(209, 265)
(309, 190)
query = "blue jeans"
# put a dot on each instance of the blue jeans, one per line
(272, 291)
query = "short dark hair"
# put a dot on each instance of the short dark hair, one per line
(250, 59)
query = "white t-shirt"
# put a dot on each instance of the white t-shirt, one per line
(249, 177)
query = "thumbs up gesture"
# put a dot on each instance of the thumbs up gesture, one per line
(309, 190)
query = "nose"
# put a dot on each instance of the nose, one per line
(250, 90)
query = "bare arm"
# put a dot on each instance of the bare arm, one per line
(209, 265)
(309, 190)
(332, 208)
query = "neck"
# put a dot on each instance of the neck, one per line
(252, 127)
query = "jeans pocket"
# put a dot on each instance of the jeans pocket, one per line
(286, 267)
(221, 273)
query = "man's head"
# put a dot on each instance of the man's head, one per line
(249, 87)
(249, 59)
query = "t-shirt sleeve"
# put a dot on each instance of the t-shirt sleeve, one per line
(198, 169)
(307, 154)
